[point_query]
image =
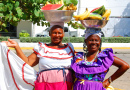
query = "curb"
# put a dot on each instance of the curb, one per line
(30, 48)
(118, 48)
(80, 45)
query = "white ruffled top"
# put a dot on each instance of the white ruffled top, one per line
(54, 57)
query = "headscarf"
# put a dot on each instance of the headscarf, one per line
(89, 32)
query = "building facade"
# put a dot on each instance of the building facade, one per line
(118, 24)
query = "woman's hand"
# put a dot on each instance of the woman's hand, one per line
(11, 43)
(106, 83)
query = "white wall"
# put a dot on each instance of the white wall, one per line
(24, 25)
(118, 26)
(39, 29)
(115, 26)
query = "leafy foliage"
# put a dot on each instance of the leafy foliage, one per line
(67, 2)
(24, 33)
(75, 25)
(13, 11)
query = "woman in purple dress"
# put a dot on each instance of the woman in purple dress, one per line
(92, 66)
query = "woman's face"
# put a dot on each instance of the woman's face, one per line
(56, 35)
(93, 43)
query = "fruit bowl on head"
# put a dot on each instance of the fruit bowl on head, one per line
(58, 15)
(94, 23)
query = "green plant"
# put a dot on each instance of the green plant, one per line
(76, 25)
(24, 33)
(13, 11)
(3, 38)
(76, 39)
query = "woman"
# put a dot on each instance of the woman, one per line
(54, 61)
(92, 66)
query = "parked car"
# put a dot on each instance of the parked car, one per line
(43, 34)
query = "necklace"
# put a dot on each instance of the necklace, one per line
(93, 58)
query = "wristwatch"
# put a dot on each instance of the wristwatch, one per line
(109, 79)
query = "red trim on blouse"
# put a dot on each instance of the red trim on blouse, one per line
(11, 70)
(23, 75)
(54, 52)
(51, 56)
(54, 48)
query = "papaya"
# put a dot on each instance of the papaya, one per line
(99, 10)
(94, 16)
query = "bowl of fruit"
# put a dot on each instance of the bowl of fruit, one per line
(97, 18)
(94, 23)
(58, 11)
(58, 15)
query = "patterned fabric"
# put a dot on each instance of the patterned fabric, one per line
(92, 31)
(51, 60)
(92, 71)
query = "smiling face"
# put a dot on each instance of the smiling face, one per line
(93, 43)
(56, 33)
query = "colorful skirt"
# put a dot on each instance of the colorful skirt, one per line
(88, 85)
(53, 86)
(53, 79)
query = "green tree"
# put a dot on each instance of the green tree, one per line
(13, 11)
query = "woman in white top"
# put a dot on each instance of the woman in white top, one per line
(54, 61)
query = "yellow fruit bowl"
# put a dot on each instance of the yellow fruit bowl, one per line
(58, 15)
(94, 23)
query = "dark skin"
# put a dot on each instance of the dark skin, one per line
(56, 38)
(56, 35)
(93, 44)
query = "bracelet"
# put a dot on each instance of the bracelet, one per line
(109, 79)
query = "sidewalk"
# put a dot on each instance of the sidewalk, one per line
(121, 50)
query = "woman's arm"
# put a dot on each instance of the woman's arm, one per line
(31, 60)
(122, 68)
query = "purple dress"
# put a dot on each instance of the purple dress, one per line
(90, 75)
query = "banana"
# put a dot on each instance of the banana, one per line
(107, 13)
(85, 15)
(48, 3)
(76, 19)
(107, 18)
(94, 16)
(61, 2)
(74, 7)
(64, 8)
(81, 15)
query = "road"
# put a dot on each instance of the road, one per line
(123, 82)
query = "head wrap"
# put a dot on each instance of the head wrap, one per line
(89, 32)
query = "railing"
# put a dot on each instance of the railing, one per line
(10, 34)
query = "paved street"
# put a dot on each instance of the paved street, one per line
(122, 83)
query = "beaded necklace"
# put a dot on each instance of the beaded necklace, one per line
(89, 62)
